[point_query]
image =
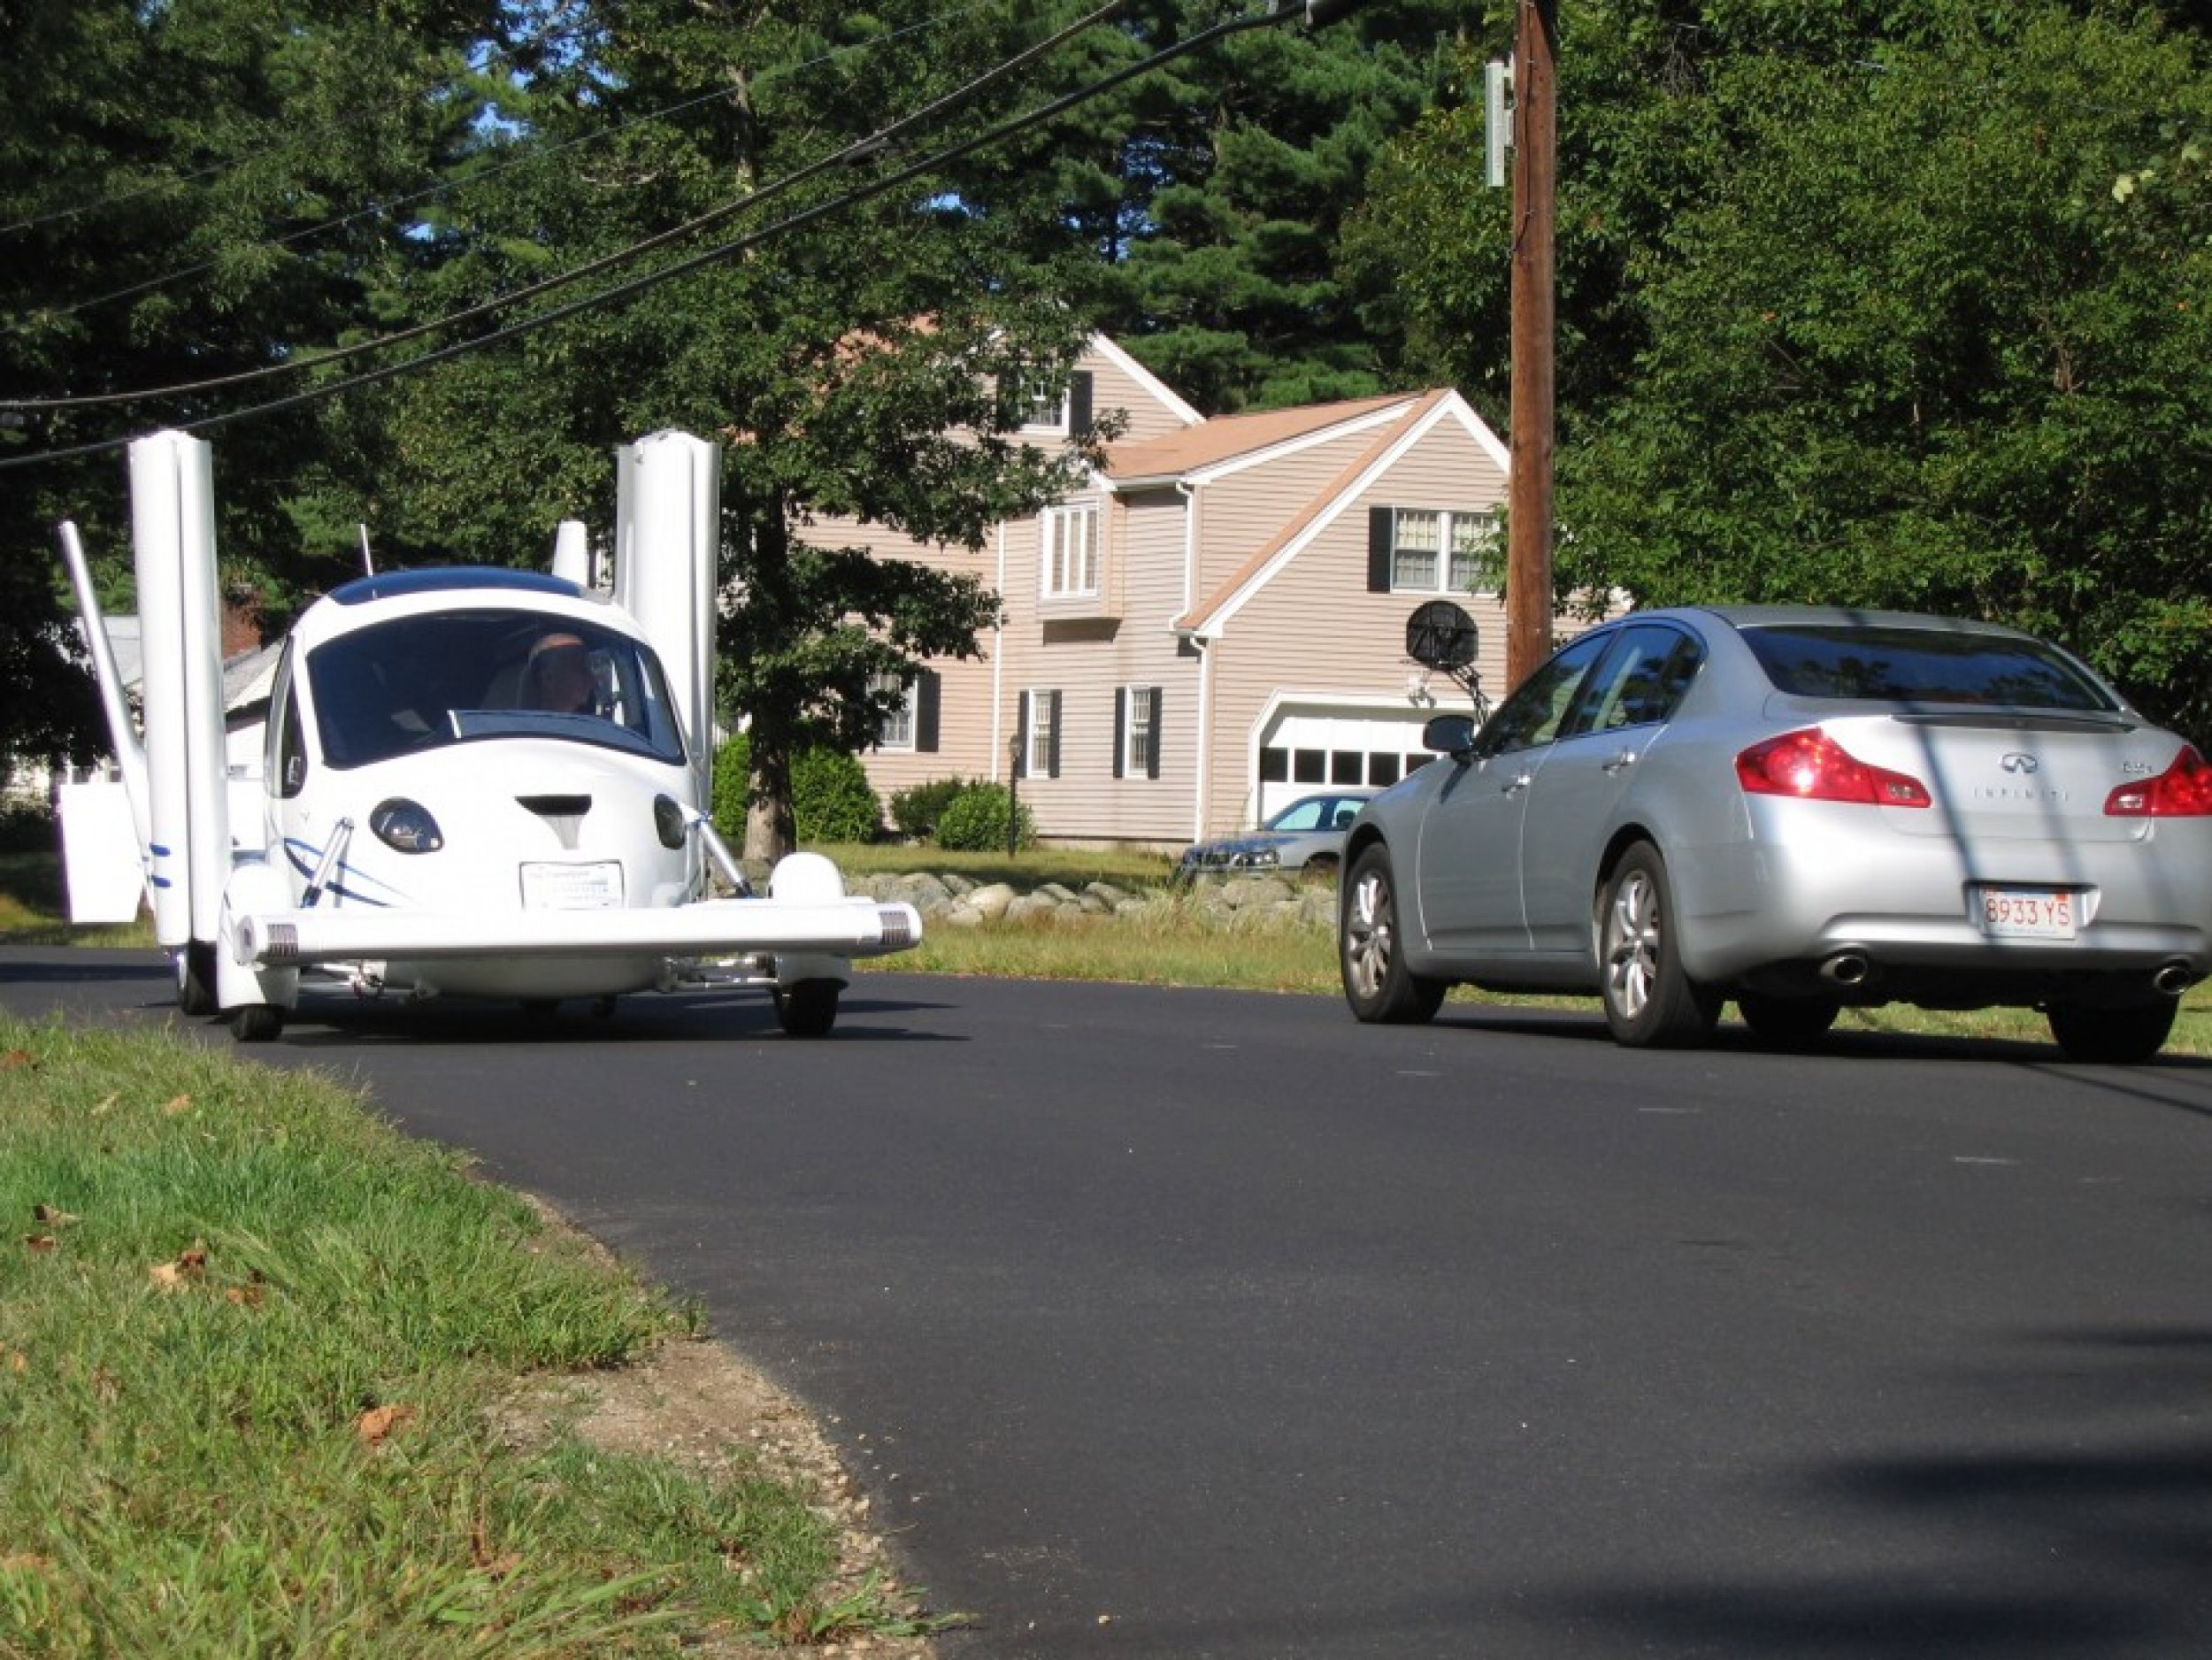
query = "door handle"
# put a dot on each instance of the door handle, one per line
(1625, 758)
(1518, 784)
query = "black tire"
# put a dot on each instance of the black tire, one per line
(1650, 1002)
(195, 978)
(808, 1010)
(2124, 1036)
(1789, 1022)
(1369, 954)
(257, 1023)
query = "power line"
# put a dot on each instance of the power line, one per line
(534, 155)
(855, 151)
(1319, 11)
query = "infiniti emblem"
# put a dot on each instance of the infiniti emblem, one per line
(2017, 762)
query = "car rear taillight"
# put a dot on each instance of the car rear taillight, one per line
(2184, 791)
(1812, 766)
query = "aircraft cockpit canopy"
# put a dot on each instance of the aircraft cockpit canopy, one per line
(424, 681)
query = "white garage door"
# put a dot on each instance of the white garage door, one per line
(1306, 749)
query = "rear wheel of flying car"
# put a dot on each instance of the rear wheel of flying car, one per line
(256, 1022)
(808, 1008)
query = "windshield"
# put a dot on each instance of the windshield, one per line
(1924, 665)
(448, 677)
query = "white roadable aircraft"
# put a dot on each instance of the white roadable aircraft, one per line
(477, 781)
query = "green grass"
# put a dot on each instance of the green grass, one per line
(216, 1278)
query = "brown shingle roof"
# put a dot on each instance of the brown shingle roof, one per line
(1227, 437)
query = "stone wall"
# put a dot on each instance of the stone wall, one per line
(1237, 902)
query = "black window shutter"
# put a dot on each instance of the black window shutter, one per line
(929, 700)
(1121, 730)
(1159, 740)
(1079, 403)
(1380, 524)
(1021, 735)
(1052, 721)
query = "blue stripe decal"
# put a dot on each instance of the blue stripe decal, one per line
(337, 887)
(161, 881)
(160, 852)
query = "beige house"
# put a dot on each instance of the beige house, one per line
(1216, 623)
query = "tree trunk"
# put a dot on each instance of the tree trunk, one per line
(769, 831)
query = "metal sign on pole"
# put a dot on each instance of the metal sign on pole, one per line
(1528, 587)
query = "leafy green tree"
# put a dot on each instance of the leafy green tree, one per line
(186, 196)
(1908, 321)
(869, 363)
(1211, 192)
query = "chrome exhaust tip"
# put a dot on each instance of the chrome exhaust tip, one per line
(2170, 980)
(1846, 968)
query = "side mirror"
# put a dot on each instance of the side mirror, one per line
(1449, 735)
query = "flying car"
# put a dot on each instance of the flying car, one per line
(476, 781)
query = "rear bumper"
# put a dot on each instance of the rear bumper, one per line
(1771, 910)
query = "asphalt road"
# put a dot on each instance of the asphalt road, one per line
(1187, 1324)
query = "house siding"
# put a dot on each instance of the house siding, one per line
(1242, 511)
(1265, 555)
(1087, 649)
(1314, 636)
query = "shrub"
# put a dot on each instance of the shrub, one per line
(975, 821)
(733, 771)
(916, 810)
(831, 799)
(27, 826)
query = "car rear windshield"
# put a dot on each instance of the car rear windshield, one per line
(1922, 665)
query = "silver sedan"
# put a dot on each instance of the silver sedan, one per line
(1798, 809)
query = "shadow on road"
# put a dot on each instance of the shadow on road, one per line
(2093, 1523)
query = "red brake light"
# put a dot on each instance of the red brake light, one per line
(1813, 766)
(2184, 791)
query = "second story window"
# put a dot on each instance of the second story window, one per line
(1070, 552)
(1433, 550)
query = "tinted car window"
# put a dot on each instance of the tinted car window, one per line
(1641, 682)
(1533, 715)
(424, 681)
(1922, 665)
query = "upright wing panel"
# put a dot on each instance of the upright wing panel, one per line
(173, 535)
(571, 553)
(668, 538)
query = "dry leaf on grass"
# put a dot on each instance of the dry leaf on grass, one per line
(53, 1215)
(375, 1426)
(38, 1242)
(189, 1267)
(176, 1104)
(14, 1058)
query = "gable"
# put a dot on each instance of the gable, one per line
(1455, 451)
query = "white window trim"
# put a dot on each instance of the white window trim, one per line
(1050, 575)
(1449, 520)
(903, 722)
(1136, 701)
(1039, 700)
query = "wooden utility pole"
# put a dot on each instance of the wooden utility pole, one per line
(1529, 490)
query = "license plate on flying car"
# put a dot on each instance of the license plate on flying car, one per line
(572, 887)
